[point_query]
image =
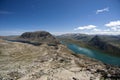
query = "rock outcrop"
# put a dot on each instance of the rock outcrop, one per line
(20, 61)
(39, 36)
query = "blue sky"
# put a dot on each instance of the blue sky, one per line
(60, 16)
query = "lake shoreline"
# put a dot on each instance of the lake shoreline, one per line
(107, 59)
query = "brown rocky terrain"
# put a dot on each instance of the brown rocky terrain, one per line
(23, 61)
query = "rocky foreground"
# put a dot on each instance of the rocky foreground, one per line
(23, 61)
(40, 56)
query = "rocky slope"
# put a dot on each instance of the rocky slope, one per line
(105, 46)
(38, 36)
(21, 61)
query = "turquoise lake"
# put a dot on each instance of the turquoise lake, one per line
(94, 54)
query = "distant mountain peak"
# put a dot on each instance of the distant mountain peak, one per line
(96, 38)
(39, 36)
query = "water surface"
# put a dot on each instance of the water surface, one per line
(94, 54)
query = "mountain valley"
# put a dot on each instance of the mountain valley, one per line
(25, 61)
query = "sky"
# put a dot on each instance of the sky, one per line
(60, 16)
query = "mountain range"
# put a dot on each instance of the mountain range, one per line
(109, 44)
(20, 59)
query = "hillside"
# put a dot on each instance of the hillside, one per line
(77, 36)
(23, 61)
(38, 36)
(106, 43)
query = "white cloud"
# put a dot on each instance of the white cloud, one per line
(101, 30)
(112, 28)
(104, 32)
(107, 30)
(88, 27)
(113, 23)
(96, 29)
(102, 10)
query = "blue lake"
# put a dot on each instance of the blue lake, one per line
(94, 54)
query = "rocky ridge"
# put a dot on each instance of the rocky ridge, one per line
(23, 61)
(38, 36)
